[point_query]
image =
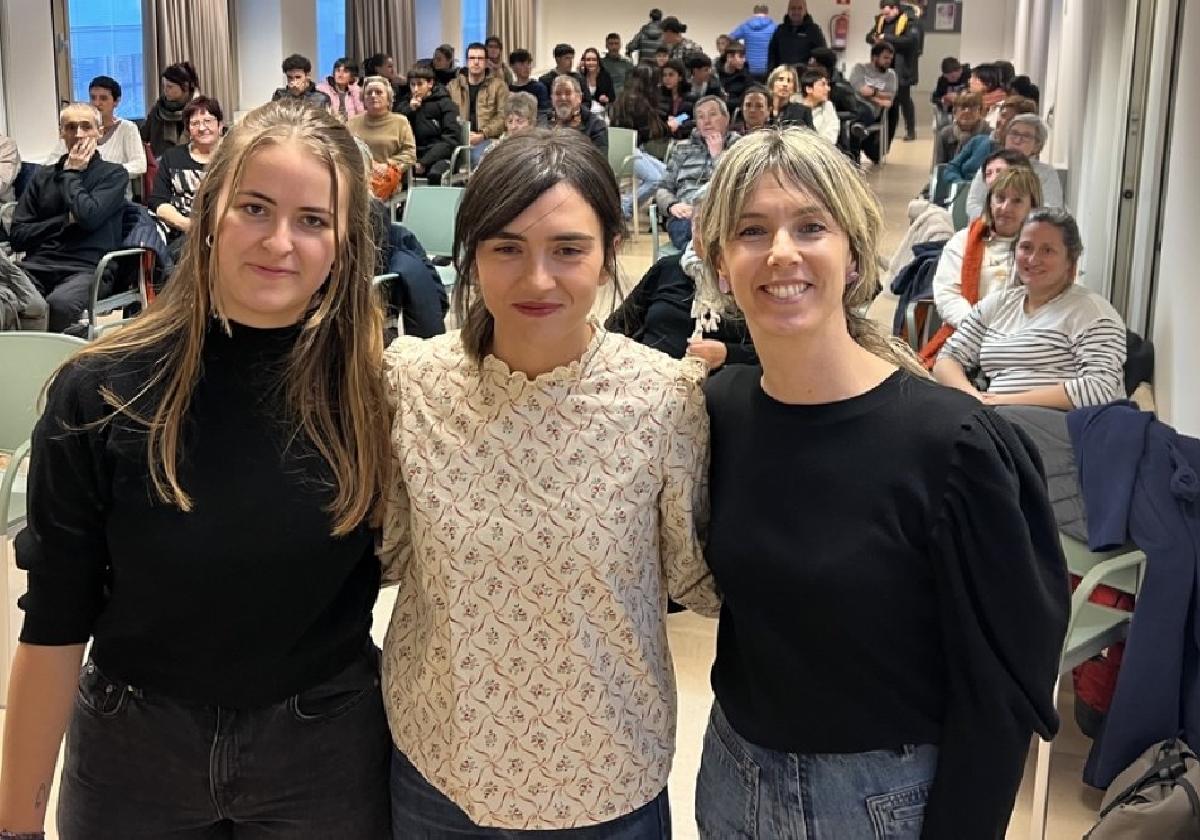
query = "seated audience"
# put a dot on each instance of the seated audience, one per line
(954, 81)
(520, 114)
(345, 96)
(480, 100)
(388, 135)
(734, 75)
(701, 81)
(495, 59)
(841, 92)
(814, 95)
(596, 84)
(636, 108)
(794, 40)
(119, 140)
(691, 167)
(784, 84)
(970, 157)
(1025, 133)
(164, 127)
(978, 259)
(1024, 86)
(433, 118)
(570, 112)
(616, 65)
(1045, 341)
(985, 80)
(1008, 72)
(564, 65)
(968, 122)
(755, 32)
(680, 47)
(674, 105)
(723, 41)
(70, 216)
(22, 306)
(875, 84)
(1000, 160)
(661, 56)
(756, 110)
(298, 71)
(181, 169)
(521, 63)
(382, 64)
(443, 64)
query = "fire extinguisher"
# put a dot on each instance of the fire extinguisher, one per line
(839, 31)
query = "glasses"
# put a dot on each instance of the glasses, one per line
(203, 122)
(1020, 135)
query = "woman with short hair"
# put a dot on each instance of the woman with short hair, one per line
(345, 97)
(181, 170)
(1025, 133)
(389, 136)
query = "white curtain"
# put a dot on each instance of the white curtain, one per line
(382, 26)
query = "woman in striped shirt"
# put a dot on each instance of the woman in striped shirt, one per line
(1046, 341)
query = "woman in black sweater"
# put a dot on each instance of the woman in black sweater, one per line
(201, 499)
(895, 597)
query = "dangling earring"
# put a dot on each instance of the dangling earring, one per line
(723, 284)
(208, 240)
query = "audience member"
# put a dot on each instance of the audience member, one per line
(722, 42)
(970, 157)
(734, 76)
(647, 40)
(388, 135)
(616, 65)
(814, 95)
(955, 79)
(673, 102)
(894, 26)
(570, 112)
(596, 84)
(22, 306)
(1046, 341)
(164, 124)
(69, 217)
(345, 96)
(661, 56)
(636, 108)
(1024, 86)
(433, 117)
(701, 81)
(841, 92)
(298, 69)
(985, 80)
(756, 110)
(119, 140)
(673, 40)
(795, 38)
(181, 169)
(968, 122)
(783, 85)
(875, 84)
(495, 59)
(382, 64)
(1007, 73)
(521, 63)
(564, 65)
(1025, 133)
(480, 100)
(1000, 160)
(443, 64)
(691, 166)
(520, 114)
(755, 33)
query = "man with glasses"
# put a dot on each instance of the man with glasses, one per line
(1025, 133)
(480, 99)
(69, 217)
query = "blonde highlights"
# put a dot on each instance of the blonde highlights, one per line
(333, 382)
(801, 159)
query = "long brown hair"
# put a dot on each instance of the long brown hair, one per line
(333, 383)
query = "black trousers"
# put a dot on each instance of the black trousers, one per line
(66, 286)
(902, 104)
(139, 766)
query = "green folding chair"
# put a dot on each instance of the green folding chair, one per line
(429, 215)
(622, 149)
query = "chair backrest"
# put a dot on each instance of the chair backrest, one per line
(958, 209)
(622, 143)
(27, 359)
(429, 215)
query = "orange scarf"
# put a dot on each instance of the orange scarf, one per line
(972, 264)
(901, 23)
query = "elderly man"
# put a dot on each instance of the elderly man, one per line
(480, 99)
(567, 98)
(1026, 133)
(69, 217)
(691, 166)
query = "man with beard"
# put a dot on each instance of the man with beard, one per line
(567, 98)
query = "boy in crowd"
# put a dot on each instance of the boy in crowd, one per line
(521, 63)
(701, 81)
(735, 76)
(298, 71)
(950, 84)
(617, 65)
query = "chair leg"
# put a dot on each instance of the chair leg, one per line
(1039, 806)
(636, 221)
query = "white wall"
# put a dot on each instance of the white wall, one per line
(1177, 307)
(988, 27)
(26, 47)
(429, 27)
(267, 32)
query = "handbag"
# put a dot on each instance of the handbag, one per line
(1158, 796)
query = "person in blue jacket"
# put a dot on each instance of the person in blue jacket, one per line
(755, 32)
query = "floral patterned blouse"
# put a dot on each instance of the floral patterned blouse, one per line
(535, 528)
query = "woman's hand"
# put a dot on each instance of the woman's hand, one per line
(712, 352)
(672, 124)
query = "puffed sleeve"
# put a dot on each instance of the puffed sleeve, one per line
(683, 501)
(63, 546)
(1004, 602)
(395, 547)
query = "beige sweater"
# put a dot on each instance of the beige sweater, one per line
(390, 138)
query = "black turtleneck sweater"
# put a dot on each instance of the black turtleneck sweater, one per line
(241, 602)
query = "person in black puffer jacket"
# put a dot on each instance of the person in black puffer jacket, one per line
(795, 38)
(434, 119)
(647, 40)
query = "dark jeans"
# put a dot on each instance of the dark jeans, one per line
(902, 104)
(67, 289)
(421, 812)
(680, 231)
(139, 766)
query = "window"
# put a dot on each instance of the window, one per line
(106, 40)
(331, 37)
(474, 25)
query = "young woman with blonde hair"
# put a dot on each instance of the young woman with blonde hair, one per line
(201, 501)
(870, 533)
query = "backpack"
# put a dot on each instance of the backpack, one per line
(1157, 796)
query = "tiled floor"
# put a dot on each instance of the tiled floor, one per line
(1072, 804)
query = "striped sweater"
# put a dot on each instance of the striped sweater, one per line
(1076, 340)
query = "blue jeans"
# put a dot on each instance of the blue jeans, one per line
(141, 766)
(477, 151)
(745, 792)
(680, 231)
(422, 812)
(650, 171)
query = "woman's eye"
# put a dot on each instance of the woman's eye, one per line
(252, 209)
(752, 230)
(506, 249)
(315, 222)
(812, 227)
(570, 251)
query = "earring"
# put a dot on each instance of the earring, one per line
(852, 277)
(208, 240)
(723, 284)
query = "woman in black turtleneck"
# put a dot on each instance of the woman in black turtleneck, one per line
(202, 491)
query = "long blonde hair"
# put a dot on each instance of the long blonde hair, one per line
(806, 161)
(333, 383)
